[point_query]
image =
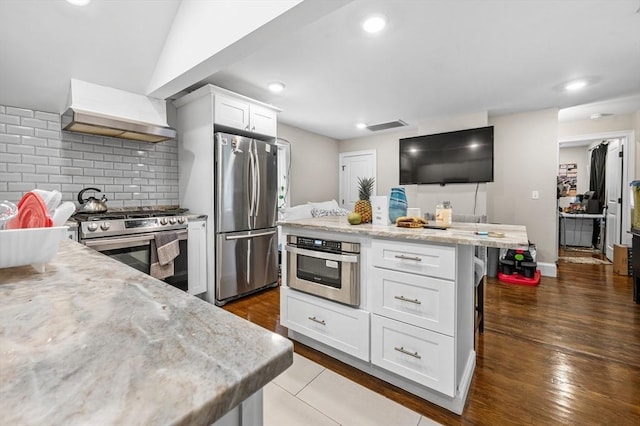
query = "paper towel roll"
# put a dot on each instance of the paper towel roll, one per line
(380, 210)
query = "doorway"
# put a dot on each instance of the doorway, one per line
(615, 204)
(354, 165)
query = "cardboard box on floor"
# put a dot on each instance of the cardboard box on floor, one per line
(620, 259)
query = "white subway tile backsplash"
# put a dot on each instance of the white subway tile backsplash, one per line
(48, 134)
(34, 122)
(36, 154)
(9, 119)
(6, 138)
(32, 140)
(20, 112)
(55, 118)
(20, 130)
(57, 161)
(33, 159)
(21, 168)
(21, 149)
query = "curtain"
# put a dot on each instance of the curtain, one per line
(598, 168)
(596, 184)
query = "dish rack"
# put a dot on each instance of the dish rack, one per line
(30, 246)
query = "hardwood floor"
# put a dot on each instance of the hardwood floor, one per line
(564, 352)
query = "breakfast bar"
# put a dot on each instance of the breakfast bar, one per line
(410, 320)
(92, 341)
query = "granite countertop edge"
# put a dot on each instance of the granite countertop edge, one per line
(94, 341)
(515, 236)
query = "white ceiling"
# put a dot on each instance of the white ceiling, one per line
(435, 58)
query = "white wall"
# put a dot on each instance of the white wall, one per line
(314, 165)
(462, 196)
(526, 159)
(581, 156)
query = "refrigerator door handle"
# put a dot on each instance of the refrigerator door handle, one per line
(244, 237)
(258, 180)
(251, 182)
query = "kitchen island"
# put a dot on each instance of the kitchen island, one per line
(92, 341)
(414, 325)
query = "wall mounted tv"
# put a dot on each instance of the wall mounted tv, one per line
(464, 156)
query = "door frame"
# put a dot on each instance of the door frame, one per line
(627, 140)
(341, 157)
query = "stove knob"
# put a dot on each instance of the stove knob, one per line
(163, 221)
(92, 226)
(181, 219)
(172, 220)
(105, 226)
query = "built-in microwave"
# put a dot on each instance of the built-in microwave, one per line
(324, 268)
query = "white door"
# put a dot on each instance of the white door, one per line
(613, 184)
(354, 165)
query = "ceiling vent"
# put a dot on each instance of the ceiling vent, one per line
(385, 126)
(103, 111)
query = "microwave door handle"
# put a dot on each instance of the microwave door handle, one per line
(348, 258)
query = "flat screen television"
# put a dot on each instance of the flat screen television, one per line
(463, 156)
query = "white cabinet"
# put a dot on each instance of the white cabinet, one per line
(197, 256)
(413, 303)
(341, 327)
(244, 115)
(414, 299)
(423, 259)
(72, 233)
(418, 354)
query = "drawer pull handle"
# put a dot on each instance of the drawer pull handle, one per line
(403, 257)
(404, 299)
(406, 352)
(314, 319)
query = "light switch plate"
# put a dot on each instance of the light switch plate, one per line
(535, 195)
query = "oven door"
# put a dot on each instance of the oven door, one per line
(135, 251)
(333, 276)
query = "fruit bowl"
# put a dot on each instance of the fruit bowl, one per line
(30, 246)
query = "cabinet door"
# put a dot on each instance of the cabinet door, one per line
(341, 327)
(197, 257)
(262, 120)
(72, 233)
(424, 259)
(420, 355)
(415, 299)
(231, 112)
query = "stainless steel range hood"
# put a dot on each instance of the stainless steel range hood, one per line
(104, 111)
(95, 124)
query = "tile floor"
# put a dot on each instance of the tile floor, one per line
(309, 394)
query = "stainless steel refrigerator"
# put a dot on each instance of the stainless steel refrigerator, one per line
(245, 215)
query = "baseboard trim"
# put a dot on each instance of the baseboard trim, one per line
(548, 269)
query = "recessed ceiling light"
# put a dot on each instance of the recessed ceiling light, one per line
(374, 24)
(276, 87)
(79, 2)
(361, 125)
(575, 85)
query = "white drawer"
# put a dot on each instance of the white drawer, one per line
(424, 259)
(338, 326)
(415, 353)
(426, 302)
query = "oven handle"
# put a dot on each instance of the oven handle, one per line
(101, 244)
(348, 258)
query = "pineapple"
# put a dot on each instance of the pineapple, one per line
(363, 205)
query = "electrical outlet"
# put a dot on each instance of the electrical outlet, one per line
(535, 195)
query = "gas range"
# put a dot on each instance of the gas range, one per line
(114, 223)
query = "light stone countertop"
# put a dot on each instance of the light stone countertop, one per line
(92, 341)
(515, 236)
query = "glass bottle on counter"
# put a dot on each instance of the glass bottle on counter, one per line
(444, 213)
